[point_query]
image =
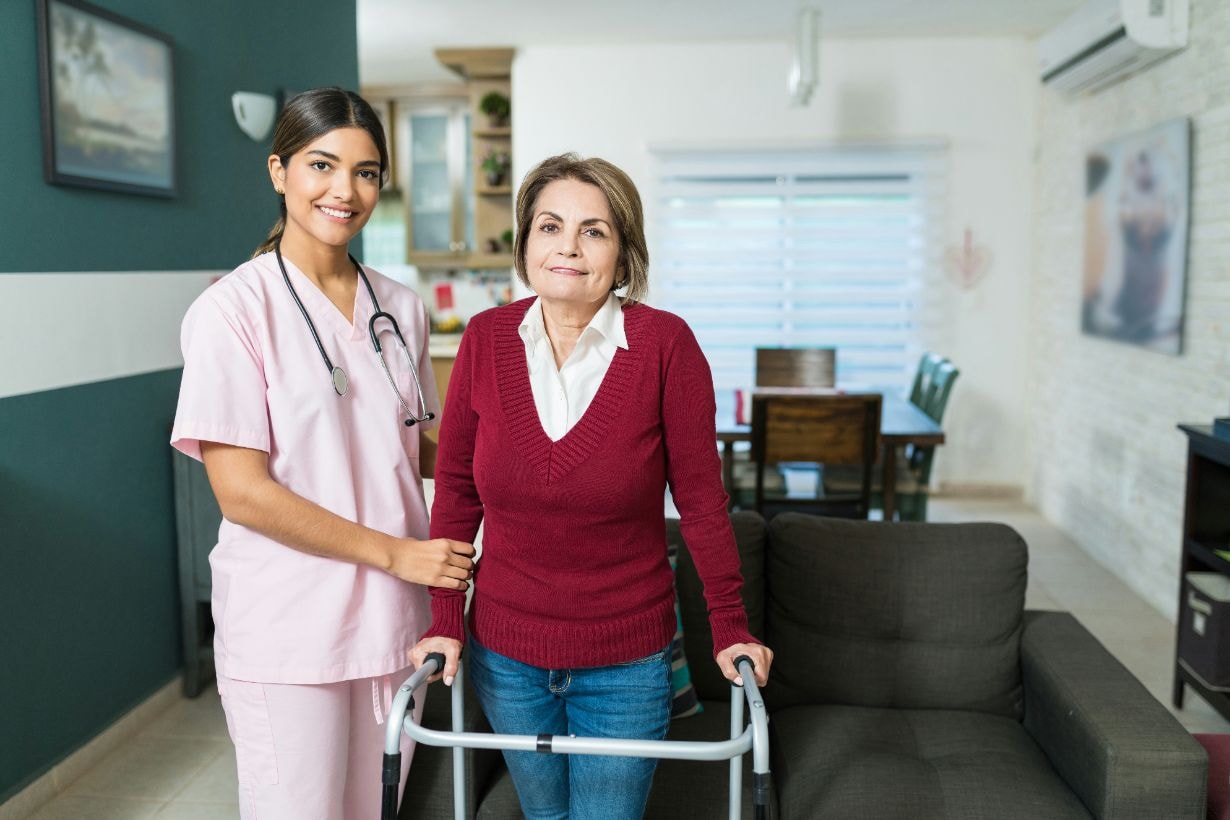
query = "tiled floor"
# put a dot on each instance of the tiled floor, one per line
(182, 765)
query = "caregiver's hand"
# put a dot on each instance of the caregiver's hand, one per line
(439, 562)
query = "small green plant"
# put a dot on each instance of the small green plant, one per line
(506, 239)
(496, 164)
(496, 106)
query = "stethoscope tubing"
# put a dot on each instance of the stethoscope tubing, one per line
(338, 376)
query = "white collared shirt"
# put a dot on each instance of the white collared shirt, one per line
(561, 395)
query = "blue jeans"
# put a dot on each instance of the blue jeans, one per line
(629, 700)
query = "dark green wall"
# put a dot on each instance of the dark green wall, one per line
(88, 596)
(224, 206)
(88, 600)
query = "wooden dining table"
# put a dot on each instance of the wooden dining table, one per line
(901, 423)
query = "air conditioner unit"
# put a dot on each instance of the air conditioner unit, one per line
(1106, 40)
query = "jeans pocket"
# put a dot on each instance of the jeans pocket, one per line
(656, 657)
(251, 730)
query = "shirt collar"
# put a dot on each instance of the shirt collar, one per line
(607, 322)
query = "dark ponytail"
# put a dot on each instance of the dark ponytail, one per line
(311, 115)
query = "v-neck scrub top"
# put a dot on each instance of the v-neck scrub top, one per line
(254, 378)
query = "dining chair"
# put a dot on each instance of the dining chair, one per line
(923, 375)
(796, 366)
(914, 483)
(841, 430)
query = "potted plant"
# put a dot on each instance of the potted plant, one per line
(497, 107)
(496, 164)
(506, 240)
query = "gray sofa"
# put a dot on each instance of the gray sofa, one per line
(909, 683)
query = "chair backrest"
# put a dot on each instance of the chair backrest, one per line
(922, 377)
(830, 429)
(936, 398)
(935, 401)
(796, 366)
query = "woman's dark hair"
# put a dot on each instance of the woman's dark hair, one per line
(311, 115)
(621, 195)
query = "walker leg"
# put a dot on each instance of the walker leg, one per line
(736, 762)
(459, 761)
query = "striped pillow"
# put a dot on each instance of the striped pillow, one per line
(684, 702)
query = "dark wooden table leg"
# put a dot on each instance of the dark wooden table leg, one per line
(728, 472)
(888, 484)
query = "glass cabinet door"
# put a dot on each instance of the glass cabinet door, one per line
(431, 184)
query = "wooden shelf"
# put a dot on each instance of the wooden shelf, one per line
(504, 132)
(491, 260)
(493, 190)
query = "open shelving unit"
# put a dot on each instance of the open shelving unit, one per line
(1206, 528)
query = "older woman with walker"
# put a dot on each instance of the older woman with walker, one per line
(569, 415)
(306, 390)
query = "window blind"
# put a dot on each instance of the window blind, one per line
(836, 246)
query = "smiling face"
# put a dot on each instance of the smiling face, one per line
(572, 249)
(331, 187)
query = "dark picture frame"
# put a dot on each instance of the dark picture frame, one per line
(107, 88)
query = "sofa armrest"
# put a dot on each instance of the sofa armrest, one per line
(1114, 744)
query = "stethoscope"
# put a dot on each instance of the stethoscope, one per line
(341, 382)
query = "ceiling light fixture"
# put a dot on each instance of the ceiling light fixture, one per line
(804, 63)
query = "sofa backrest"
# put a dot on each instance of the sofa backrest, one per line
(697, 639)
(894, 615)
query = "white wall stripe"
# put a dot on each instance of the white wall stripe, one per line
(64, 329)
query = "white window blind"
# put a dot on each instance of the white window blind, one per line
(832, 247)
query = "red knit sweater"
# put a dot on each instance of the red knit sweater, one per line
(573, 570)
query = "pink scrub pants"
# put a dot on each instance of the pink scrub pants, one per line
(311, 752)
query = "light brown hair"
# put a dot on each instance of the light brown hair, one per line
(632, 269)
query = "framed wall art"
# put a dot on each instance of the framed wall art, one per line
(108, 100)
(1137, 195)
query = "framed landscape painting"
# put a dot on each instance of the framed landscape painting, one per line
(1136, 219)
(107, 89)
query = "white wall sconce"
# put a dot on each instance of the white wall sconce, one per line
(254, 113)
(804, 62)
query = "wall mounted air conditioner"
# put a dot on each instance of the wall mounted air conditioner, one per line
(1106, 40)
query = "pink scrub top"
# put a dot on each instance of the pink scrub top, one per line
(254, 378)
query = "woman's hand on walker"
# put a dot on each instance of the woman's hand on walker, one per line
(762, 659)
(439, 562)
(449, 648)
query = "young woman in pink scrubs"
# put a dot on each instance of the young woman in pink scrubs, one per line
(313, 442)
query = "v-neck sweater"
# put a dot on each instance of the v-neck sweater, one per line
(574, 570)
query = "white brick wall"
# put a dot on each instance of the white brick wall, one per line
(1106, 462)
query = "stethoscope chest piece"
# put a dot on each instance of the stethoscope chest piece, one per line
(341, 383)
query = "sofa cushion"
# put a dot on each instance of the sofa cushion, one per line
(915, 616)
(750, 537)
(845, 762)
(684, 702)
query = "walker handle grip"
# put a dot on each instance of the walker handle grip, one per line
(743, 658)
(438, 658)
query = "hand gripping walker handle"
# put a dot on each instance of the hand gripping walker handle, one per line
(391, 773)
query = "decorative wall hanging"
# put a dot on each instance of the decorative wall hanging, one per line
(1136, 223)
(107, 88)
(968, 262)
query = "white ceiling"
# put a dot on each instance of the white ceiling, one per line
(397, 37)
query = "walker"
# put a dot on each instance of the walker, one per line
(754, 737)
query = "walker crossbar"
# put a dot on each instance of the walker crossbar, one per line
(754, 737)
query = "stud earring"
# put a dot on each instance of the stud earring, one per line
(279, 191)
